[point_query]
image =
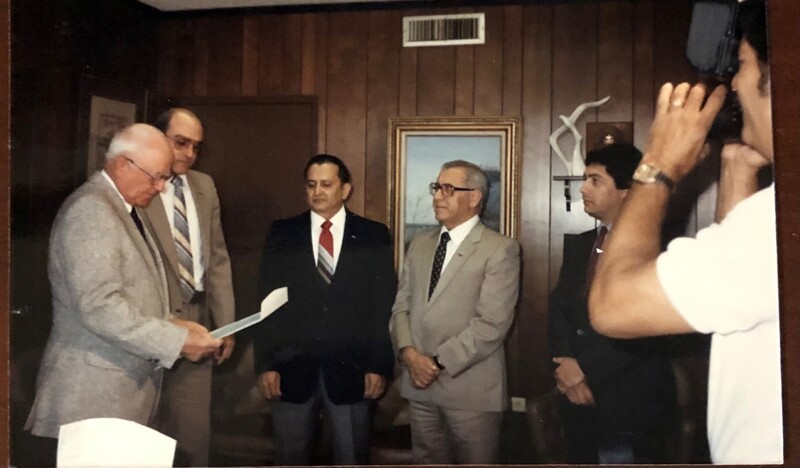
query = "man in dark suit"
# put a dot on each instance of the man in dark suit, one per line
(619, 396)
(186, 222)
(329, 345)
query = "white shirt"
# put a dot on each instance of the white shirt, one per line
(725, 282)
(128, 206)
(337, 231)
(457, 236)
(167, 198)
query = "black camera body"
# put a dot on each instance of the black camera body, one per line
(713, 49)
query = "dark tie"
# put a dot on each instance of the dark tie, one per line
(438, 261)
(183, 244)
(598, 247)
(137, 221)
(325, 252)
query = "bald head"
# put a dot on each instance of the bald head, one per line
(138, 160)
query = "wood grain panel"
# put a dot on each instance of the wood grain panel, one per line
(293, 54)
(615, 61)
(183, 57)
(512, 60)
(347, 79)
(383, 66)
(574, 82)
(250, 45)
(643, 86)
(309, 48)
(531, 373)
(436, 81)
(321, 78)
(225, 56)
(489, 66)
(465, 76)
(407, 95)
(200, 63)
(168, 39)
(270, 54)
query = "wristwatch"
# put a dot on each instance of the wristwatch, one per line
(648, 173)
(436, 361)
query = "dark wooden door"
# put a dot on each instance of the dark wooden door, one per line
(256, 149)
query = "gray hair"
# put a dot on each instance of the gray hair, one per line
(475, 178)
(122, 143)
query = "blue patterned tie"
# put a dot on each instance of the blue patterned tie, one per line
(438, 261)
(182, 242)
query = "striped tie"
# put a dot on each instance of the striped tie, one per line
(325, 254)
(182, 242)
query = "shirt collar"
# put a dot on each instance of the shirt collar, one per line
(336, 220)
(128, 206)
(459, 233)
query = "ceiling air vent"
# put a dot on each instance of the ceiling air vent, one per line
(439, 30)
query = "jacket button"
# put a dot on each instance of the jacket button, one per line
(580, 332)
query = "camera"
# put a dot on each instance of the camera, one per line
(712, 48)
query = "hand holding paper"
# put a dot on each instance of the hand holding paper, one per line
(270, 304)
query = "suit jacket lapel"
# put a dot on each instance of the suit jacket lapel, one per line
(125, 216)
(200, 204)
(460, 257)
(158, 223)
(349, 241)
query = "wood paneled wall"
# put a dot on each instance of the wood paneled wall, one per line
(541, 59)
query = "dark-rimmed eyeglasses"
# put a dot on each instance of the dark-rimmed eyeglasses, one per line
(182, 143)
(447, 189)
(154, 178)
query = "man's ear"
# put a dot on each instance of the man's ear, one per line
(346, 191)
(475, 198)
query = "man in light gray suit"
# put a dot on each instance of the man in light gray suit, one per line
(455, 303)
(112, 332)
(200, 291)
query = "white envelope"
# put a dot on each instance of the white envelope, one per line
(110, 442)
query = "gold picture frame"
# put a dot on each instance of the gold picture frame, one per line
(418, 146)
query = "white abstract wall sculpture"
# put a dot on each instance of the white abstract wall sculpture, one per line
(575, 165)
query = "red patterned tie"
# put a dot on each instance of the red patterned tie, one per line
(596, 250)
(325, 254)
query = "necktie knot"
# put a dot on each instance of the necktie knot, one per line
(326, 225)
(177, 182)
(445, 238)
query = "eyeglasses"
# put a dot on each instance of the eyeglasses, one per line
(183, 143)
(447, 189)
(154, 179)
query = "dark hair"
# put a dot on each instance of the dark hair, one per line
(752, 27)
(162, 121)
(344, 173)
(620, 161)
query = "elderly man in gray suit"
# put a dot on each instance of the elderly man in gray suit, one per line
(455, 303)
(112, 331)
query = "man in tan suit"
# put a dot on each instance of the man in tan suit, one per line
(455, 303)
(186, 222)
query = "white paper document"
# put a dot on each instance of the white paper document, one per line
(270, 304)
(110, 442)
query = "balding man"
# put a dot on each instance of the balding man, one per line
(112, 331)
(185, 221)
